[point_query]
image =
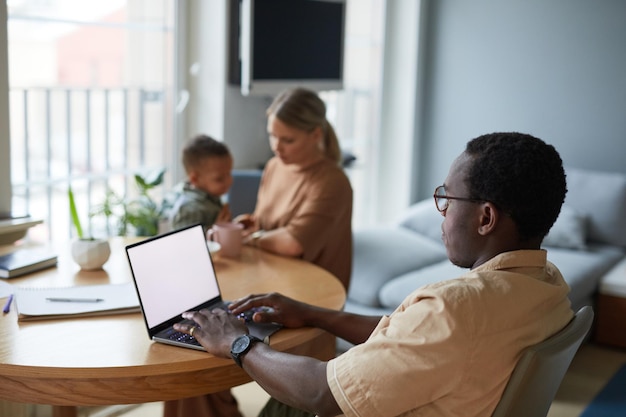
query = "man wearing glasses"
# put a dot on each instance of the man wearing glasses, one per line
(450, 347)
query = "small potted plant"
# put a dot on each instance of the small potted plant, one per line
(88, 252)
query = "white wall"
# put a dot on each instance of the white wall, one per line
(216, 108)
(555, 69)
(396, 148)
(5, 162)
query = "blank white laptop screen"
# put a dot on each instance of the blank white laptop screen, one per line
(173, 273)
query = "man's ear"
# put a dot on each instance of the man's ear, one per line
(489, 217)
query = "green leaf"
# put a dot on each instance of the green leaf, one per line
(157, 178)
(150, 180)
(141, 182)
(74, 214)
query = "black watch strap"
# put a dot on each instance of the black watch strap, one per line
(241, 346)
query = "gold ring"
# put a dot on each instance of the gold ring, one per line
(193, 328)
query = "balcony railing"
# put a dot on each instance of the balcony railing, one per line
(89, 139)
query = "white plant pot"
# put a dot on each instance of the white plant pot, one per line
(91, 253)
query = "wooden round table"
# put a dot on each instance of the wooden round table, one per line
(110, 360)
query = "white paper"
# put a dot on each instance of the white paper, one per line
(6, 289)
(84, 300)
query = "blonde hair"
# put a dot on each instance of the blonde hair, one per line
(303, 109)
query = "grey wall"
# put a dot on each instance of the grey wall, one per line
(555, 69)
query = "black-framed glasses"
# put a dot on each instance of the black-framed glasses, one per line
(442, 201)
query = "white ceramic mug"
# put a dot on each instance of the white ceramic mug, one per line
(229, 236)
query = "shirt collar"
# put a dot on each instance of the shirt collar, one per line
(515, 259)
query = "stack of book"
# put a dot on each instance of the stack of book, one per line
(25, 260)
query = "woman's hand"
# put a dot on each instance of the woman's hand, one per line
(249, 224)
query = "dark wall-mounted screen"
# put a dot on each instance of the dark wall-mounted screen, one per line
(286, 43)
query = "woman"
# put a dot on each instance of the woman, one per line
(304, 204)
(303, 210)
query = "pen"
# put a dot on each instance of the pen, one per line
(75, 300)
(7, 306)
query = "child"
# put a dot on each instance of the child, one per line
(208, 164)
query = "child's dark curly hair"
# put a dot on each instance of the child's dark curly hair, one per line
(522, 175)
(200, 147)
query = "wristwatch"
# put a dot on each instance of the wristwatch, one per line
(241, 346)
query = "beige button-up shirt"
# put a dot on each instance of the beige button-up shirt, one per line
(450, 347)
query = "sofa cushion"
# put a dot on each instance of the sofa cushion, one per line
(383, 253)
(582, 270)
(423, 218)
(395, 291)
(569, 231)
(601, 196)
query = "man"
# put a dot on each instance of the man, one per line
(450, 347)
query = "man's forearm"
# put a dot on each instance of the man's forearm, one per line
(352, 327)
(298, 381)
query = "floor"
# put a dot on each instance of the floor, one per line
(590, 370)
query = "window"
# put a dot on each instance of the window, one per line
(355, 110)
(90, 102)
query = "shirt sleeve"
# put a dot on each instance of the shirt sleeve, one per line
(191, 212)
(411, 359)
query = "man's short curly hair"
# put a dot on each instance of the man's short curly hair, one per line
(522, 175)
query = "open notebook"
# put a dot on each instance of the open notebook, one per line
(174, 273)
(79, 301)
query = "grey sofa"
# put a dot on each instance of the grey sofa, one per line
(588, 238)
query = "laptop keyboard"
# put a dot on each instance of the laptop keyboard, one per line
(183, 338)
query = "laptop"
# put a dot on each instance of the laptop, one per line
(174, 273)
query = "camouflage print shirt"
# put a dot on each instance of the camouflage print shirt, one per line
(193, 206)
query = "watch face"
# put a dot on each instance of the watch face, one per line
(240, 344)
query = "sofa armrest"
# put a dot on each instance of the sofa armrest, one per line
(383, 253)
